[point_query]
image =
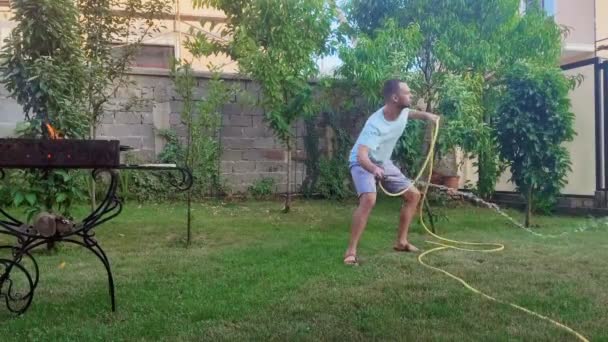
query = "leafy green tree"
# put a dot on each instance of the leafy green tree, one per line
(61, 64)
(107, 64)
(462, 41)
(389, 52)
(275, 42)
(42, 67)
(103, 23)
(202, 119)
(460, 100)
(534, 123)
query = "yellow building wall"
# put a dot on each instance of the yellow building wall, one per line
(578, 17)
(5, 24)
(188, 21)
(602, 27)
(176, 29)
(581, 181)
(176, 34)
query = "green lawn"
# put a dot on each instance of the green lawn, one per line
(253, 273)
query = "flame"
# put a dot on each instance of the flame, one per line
(53, 134)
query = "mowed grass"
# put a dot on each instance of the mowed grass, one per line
(254, 273)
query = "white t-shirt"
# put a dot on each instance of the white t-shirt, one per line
(380, 135)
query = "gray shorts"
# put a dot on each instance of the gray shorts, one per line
(394, 181)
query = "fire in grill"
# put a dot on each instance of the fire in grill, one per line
(42, 153)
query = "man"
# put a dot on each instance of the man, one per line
(370, 161)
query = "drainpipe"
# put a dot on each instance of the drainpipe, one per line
(177, 31)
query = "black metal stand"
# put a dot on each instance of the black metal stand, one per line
(18, 293)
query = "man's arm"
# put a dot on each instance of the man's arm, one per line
(420, 115)
(366, 163)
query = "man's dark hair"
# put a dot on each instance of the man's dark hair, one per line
(391, 87)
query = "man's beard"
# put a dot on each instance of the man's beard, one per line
(403, 106)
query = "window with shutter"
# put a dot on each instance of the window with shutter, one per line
(151, 56)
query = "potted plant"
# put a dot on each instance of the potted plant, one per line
(446, 170)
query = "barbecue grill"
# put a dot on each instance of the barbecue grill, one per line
(19, 272)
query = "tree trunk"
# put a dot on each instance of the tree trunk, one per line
(189, 233)
(481, 175)
(189, 163)
(528, 208)
(485, 184)
(92, 189)
(287, 207)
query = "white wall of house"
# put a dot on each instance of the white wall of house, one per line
(581, 181)
(578, 17)
(601, 35)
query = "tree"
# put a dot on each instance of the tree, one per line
(101, 24)
(389, 52)
(466, 40)
(460, 99)
(274, 42)
(43, 67)
(202, 119)
(60, 63)
(534, 123)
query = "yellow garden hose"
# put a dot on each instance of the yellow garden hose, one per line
(458, 245)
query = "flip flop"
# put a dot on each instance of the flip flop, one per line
(351, 260)
(406, 248)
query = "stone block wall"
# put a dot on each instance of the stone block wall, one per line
(136, 114)
(251, 153)
(249, 150)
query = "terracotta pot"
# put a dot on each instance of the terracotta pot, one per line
(436, 178)
(451, 181)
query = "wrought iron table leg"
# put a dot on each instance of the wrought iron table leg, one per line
(18, 256)
(98, 251)
(8, 290)
(107, 210)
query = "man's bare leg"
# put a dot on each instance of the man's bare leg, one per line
(408, 211)
(359, 221)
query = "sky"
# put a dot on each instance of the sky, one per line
(328, 64)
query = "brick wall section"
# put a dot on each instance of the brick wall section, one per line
(135, 115)
(249, 150)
